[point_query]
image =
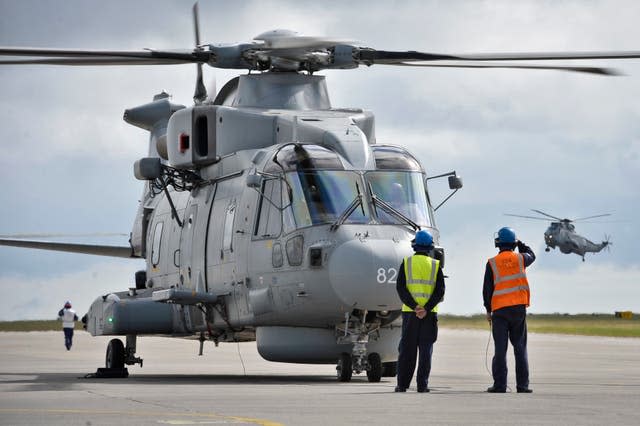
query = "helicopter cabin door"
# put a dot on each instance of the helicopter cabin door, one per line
(224, 273)
(191, 256)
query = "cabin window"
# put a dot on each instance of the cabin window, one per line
(227, 240)
(304, 157)
(404, 191)
(394, 158)
(269, 224)
(322, 196)
(294, 247)
(276, 256)
(155, 248)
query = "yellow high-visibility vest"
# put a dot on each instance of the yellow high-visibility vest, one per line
(420, 273)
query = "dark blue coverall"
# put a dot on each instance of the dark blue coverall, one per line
(508, 324)
(417, 334)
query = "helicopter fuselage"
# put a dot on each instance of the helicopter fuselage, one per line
(290, 231)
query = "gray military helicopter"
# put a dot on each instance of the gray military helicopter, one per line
(562, 234)
(268, 214)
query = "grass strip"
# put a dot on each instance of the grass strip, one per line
(605, 325)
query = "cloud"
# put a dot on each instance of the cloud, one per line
(41, 298)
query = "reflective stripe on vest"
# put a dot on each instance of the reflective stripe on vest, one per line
(420, 273)
(510, 285)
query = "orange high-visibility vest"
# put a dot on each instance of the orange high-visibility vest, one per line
(510, 285)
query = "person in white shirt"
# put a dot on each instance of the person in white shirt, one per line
(68, 317)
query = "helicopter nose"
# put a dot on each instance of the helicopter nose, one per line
(363, 273)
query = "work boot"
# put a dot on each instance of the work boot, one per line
(399, 389)
(424, 390)
(494, 389)
(524, 390)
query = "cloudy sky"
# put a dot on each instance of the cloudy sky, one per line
(564, 143)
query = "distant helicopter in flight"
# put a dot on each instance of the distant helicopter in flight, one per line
(562, 234)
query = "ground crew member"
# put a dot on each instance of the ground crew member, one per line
(506, 297)
(420, 285)
(68, 317)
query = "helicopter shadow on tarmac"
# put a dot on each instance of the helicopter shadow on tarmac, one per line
(69, 381)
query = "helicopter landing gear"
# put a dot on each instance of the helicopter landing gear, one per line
(115, 354)
(357, 331)
(547, 249)
(344, 368)
(130, 351)
(118, 355)
(374, 367)
(374, 370)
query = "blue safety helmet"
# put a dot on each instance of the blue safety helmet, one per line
(423, 240)
(506, 235)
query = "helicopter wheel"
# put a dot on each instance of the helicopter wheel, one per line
(547, 249)
(389, 369)
(115, 354)
(344, 368)
(374, 372)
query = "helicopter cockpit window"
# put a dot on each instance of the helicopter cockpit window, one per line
(394, 158)
(404, 191)
(321, 196)
(304, 157)
(269, 222)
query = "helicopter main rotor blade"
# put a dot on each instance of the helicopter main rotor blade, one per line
(592, 217)
(57, 235)
(413, 58)
(526, 217)
(392, 57)
(548, 215)
(588, 70)
(95, 249)
(103, 57)
(94, 61)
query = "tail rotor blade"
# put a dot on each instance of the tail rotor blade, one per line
(200, 93)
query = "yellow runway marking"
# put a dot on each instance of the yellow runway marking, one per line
(225, 419)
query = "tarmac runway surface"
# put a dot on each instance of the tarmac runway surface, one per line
(576, 380)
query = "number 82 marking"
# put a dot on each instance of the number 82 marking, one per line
(388, 275)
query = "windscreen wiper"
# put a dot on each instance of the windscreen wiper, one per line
(392, 211)
(357, 202)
